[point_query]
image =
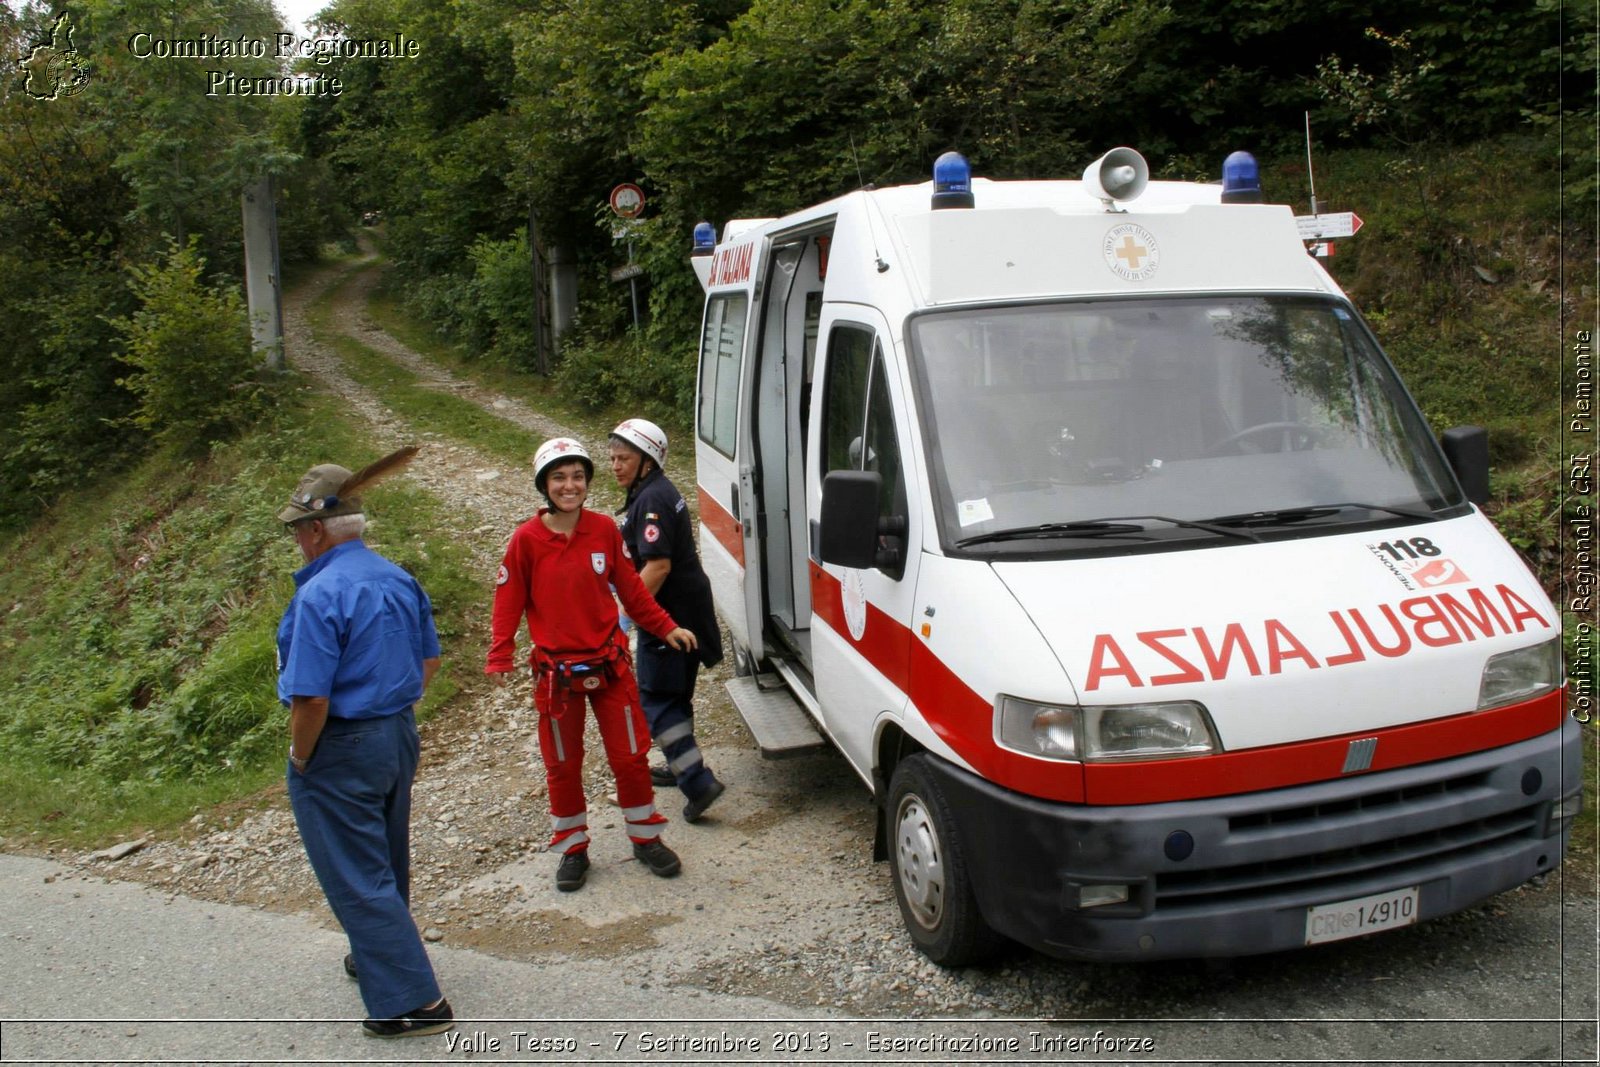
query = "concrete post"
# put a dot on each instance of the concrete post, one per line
(563, 292)
(261, 277)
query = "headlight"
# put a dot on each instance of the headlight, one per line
(1511, 677)
(1110, 732)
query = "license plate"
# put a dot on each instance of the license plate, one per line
(1364, 915)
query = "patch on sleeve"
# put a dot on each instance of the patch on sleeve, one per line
(502, 576)
(652, 533)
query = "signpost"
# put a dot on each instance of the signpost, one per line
(1322, 227)
(627, 201)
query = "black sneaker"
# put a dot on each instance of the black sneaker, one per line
(350, 967)
(662, 861)
(572, 872)
(661, 774)
(697, 807)
(435, 1020)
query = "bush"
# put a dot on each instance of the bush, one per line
(503, 300)
(189, 344)
(593, 373)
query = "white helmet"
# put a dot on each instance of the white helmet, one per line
(559, 450)
(646, 436)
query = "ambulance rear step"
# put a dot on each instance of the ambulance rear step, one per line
(775, 717)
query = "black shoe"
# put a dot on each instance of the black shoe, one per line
(435, 1020)
(350, 967)
(662, 775)
(697, 807)
(662, 861)
(572, 872)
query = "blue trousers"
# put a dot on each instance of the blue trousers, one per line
(353, 807)
(666, 692)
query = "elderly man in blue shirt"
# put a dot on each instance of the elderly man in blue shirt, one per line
(356, 649)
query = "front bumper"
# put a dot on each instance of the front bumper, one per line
(1461, 830)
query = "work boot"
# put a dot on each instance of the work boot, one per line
(662, 861)
(697, 807)
(572, 872)
(661, 774)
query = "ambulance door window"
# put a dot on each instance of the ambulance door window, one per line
(720, 349)
(858, 423)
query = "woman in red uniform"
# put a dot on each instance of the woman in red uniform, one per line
(558, 572)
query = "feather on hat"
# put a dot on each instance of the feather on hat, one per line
(328, 489)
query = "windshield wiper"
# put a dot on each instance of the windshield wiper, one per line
(1287, 516)
(1054, 529)
(1122, 524)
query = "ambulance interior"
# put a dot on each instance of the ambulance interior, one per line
(1188, 408)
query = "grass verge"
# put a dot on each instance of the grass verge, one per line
(137, 652)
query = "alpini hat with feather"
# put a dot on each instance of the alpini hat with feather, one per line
(328, 489)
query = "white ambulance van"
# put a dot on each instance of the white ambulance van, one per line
(1089, 522)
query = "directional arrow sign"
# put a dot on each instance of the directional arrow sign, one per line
(1321, 227)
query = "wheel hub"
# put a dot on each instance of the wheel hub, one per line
(920, 862)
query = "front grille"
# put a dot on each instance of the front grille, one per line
(1381, 835)
(1365, 803)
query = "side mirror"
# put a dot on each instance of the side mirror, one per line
(849, 536)
(1467, 449)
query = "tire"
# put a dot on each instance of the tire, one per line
(932, 882)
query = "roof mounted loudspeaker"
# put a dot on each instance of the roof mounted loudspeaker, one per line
(1120, 174)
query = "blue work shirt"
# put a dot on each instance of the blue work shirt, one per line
(356, 632)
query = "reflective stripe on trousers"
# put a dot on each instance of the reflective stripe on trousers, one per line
(666, 688)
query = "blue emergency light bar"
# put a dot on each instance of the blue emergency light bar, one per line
(952, 181)
(1241, 179)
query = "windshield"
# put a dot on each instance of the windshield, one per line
(1044, 421)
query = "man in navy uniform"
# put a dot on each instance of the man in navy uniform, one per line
(659, 538)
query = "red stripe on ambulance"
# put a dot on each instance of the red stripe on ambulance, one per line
(1389, 631)
(723, 526)
(964, 719)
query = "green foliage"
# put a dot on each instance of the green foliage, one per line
(740, 108)
(190, 348)
(140, 158)
(503, 299)
(60, 404)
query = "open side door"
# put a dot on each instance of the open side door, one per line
(725, 463)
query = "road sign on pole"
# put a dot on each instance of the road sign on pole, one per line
(627, 200)
(1321, 227)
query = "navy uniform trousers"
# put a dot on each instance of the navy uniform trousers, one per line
(666, 680)
(353, 808)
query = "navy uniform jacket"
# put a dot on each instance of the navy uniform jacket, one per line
(655, 525)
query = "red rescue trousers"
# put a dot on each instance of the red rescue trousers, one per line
(627, 745)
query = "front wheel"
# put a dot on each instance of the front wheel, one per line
(932, 882)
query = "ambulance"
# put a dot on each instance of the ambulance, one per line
(1089, 522)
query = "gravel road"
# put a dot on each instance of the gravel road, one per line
(779, 899)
